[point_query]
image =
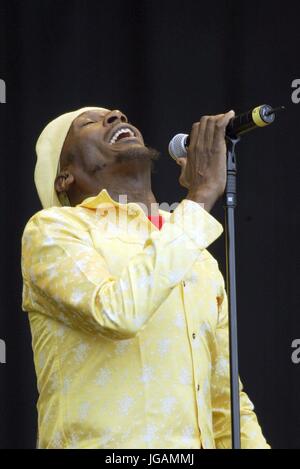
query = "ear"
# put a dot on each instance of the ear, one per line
(63, 181)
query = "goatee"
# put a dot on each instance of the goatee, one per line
(138, 153)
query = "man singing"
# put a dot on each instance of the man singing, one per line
(127, 308)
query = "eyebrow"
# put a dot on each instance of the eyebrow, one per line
(91, 115)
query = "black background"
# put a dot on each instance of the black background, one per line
(163, 63)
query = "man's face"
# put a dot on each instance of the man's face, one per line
(99, 149)
(101, 136)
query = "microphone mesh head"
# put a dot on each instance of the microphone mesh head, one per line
(177, 146)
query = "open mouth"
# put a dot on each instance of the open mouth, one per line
(124, 133)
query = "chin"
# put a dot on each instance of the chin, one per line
(137, 152)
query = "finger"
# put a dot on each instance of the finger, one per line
(193, 136)
(210, 130)
(221, 125)
(223, 121)
(181, 160)
(201, 134)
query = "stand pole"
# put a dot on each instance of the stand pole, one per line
(230, 204)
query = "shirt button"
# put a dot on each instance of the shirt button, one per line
(132, 212)
(194, 335)
(102, 212)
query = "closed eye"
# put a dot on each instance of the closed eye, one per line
(88, 122)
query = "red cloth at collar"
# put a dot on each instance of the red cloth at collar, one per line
(158, 221)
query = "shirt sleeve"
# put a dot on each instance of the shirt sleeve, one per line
(66, 278)
(251, 433)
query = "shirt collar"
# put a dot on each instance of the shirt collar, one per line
(104, 200)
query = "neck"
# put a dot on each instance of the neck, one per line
(135, 185)
(131, 179)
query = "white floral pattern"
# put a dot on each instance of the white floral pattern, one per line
(129, 329)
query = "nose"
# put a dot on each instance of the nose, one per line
(113, 117)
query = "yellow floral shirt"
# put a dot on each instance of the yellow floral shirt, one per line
(129, 329)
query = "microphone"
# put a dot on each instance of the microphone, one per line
(259, 116)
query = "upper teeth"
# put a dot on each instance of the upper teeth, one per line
(119, 132)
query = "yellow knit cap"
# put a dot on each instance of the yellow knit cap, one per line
(48, 150)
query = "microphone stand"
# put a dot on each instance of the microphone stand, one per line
(258, 117)
(264, 116)
(229, 205)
